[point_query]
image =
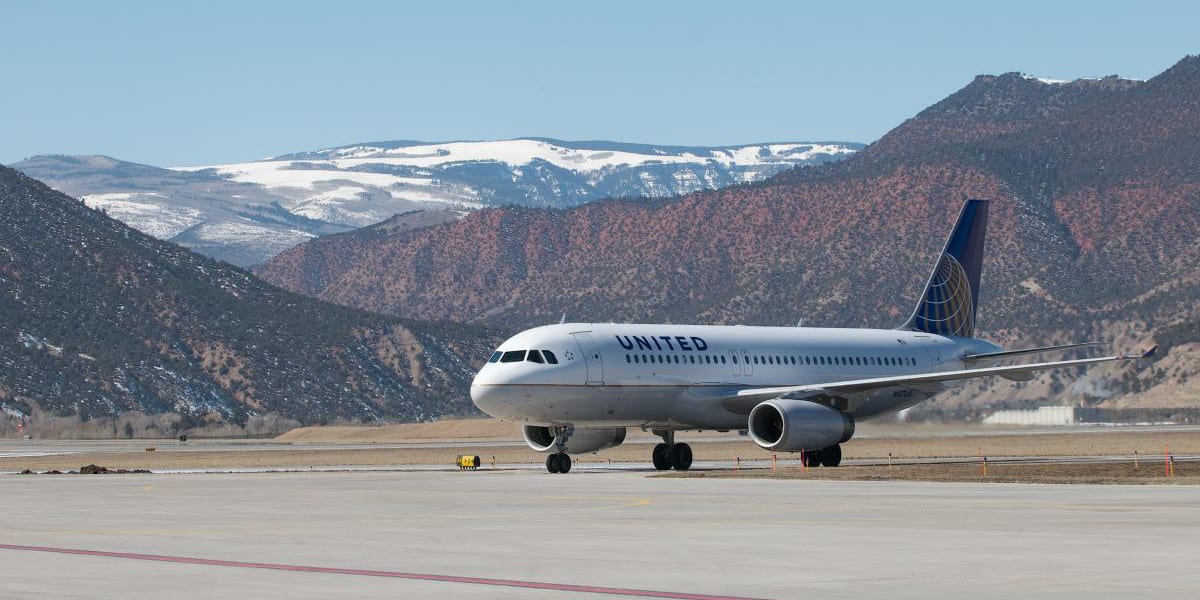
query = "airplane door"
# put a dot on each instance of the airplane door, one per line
(734, 364)
(747, 367)
(591, 358)
(932, 350)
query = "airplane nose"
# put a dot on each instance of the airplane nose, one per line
(485, 397)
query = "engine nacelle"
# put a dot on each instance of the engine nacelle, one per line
(579, 441)
(795, 425)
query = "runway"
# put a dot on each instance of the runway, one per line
(592, 534)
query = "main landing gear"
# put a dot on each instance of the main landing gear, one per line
(669, 455)
(559, 462)
(829, 457)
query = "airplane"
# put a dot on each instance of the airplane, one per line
(577, 387)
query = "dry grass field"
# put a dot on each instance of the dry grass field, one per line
(1099, 472)
(438, 443)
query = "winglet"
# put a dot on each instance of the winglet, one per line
(1150, 352)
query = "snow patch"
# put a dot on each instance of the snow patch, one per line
(1047, 80)
(143, 211)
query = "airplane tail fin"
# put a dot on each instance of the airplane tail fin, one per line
(948, 305)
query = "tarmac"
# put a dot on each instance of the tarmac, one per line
(593, 533)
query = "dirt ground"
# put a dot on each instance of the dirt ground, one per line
(1123, 472)
(439, 443)
(446, 429)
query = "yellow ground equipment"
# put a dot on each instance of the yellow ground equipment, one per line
(468, 463)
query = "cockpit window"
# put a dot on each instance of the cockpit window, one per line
(513, 356)
(495, 356)
(534, 356)
(550, 358)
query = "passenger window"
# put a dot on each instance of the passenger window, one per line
(628, 359)
(734, 360)
(495, 356)
(723, 360)
(534, 356)
(550, 358)
(676, 359)
(513, 356)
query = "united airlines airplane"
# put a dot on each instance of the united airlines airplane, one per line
(576, 387)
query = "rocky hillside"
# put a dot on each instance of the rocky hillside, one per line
(245, 213)
(96, 317)
(1096, 189)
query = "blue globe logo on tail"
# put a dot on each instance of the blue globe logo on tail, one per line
(951, 298)
(948, 307)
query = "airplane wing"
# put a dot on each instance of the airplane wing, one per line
(1012, 353)
(850, 387)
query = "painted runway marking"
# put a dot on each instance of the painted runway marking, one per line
(537, 585)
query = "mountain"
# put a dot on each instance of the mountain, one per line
(540, 172)
(240, 223)
(96, 317)
(245, 213)
(1096, 209)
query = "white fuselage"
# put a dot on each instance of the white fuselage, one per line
(681, 376)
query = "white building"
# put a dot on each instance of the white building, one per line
(1043, 416)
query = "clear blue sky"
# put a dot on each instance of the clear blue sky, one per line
(185, 83)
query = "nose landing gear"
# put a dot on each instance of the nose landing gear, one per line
(559, 462)
(669, 455)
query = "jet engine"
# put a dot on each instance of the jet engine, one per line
(795, 425)
(578, 441)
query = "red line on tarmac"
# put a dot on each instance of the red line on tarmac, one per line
(537, 585)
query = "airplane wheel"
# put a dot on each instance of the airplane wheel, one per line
(811, 458)
(552, 463)
(661, 457)
(564, 463)
(831, 456)
(681, 457)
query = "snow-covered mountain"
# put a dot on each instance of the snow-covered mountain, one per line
(247, 212)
